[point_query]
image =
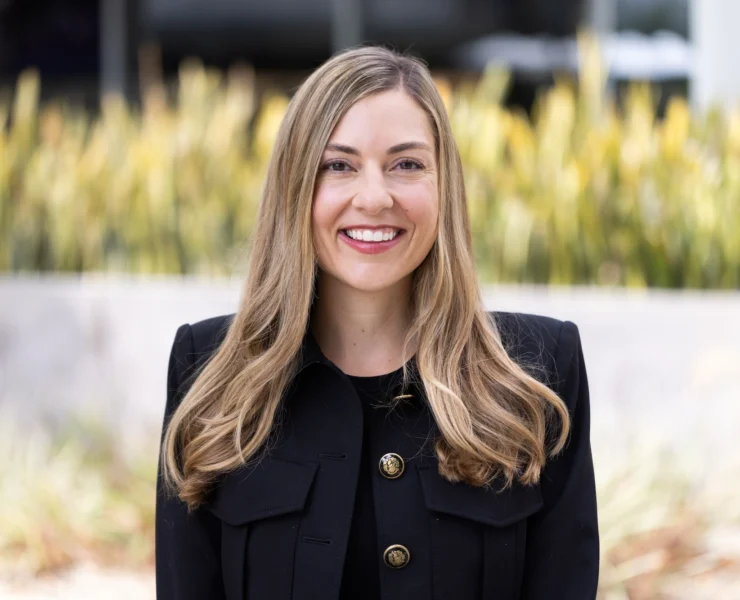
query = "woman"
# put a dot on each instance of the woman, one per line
(362, 425)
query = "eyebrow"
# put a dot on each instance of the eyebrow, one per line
(402, 147)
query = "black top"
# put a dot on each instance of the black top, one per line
(211, 553)
(361, 579)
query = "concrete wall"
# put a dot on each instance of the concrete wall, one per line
(661, 365)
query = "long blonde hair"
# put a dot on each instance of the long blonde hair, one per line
(490, 411)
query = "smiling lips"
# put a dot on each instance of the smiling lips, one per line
(383, 234)
(387, 240)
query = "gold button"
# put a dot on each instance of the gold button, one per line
(391, 465)
(396, 556)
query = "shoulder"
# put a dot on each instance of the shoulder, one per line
(195, 342)
(526, 328)
(209, 333)
(539, 341)
(529, 338)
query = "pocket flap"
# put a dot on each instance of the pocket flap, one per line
(272, 487)
(485, 505)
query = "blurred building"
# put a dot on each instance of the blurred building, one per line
(715, 76)
(83, 47)
(60, 38)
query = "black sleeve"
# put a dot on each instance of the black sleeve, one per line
(187, 547)
(562, 551)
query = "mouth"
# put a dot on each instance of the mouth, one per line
(373, 236)
(371, 246)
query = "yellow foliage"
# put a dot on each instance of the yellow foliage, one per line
(580, 192)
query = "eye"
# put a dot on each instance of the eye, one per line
(330, 166)
(411, 165)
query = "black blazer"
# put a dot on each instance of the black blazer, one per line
(279, 531)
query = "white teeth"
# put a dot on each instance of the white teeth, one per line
(367, 235)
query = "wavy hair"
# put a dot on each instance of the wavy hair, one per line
(492, 414)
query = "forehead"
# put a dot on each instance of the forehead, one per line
(386, 118)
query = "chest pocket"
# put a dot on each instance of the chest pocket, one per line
(260, 508)
(477, 536)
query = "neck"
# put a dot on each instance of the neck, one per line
(361, 332)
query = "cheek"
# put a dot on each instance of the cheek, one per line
(325, 212)
(421, 204)
(327, 206)
(321, 212)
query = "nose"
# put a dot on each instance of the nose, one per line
(372, 195)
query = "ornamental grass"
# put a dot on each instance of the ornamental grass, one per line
(583, 192)
(84, 496)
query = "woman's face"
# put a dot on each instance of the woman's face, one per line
(378, 175)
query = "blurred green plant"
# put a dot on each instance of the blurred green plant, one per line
(73, 495)
(82, 495)
(667, 529)
(581, 193)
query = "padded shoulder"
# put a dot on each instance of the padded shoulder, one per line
(526, 328)
(208, 335)
(531, 340)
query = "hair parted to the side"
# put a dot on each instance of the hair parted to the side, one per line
(491, 412)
